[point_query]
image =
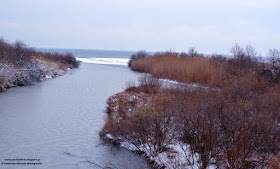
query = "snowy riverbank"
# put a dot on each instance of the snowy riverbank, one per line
(21, 65)
(125, 105)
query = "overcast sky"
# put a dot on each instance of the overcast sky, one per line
(212, 26)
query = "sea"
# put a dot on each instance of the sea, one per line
(91, 53)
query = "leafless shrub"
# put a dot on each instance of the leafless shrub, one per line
(166, 53)
(139, 55)
(184, 54)
(150, 127)
(218, 57)
(71, 60)
(192, 52)
(149, 84)
(274, 56)
(244, 57)
(237, 51)
(250, 51)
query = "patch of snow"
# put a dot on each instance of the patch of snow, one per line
(179, 156)
(129, 146)
(48, 76)
(193, 85)
(173, 83)
(105, 61)
(109, 136)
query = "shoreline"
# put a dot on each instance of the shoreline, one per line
(122, 106)
(21, 65)
(52, 74)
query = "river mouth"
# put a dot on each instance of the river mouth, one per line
(58, 120)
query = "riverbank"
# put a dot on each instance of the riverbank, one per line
(21, 65)
(144, 119)
(233, 122)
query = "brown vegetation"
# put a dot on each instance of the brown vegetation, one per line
(228, 129)
(234, 126)
(215, 71)
(21, 65)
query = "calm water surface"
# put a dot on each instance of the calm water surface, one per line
(58, 120)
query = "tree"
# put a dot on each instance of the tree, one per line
(237, 51)
(192, 52)
(274, 56)
(250, 51)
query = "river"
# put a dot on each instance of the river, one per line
(58, 120)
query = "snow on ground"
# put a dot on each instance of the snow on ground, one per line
(178, 156)
(173, 83)
(106, 61)
(48, 77)
(176, 83)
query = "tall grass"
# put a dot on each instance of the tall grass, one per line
(183, 69)
(211, 71)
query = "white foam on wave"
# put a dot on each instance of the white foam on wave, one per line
(105, 61)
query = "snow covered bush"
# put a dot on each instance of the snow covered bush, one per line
(21, 65)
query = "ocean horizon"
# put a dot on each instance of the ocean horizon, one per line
(90, 53)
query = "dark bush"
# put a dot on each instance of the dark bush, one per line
(139, 55)
(192, 52)
(149, 85)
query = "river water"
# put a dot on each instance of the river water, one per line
(58, 120)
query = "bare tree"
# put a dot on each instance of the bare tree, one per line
(274, 56)
(250, 51)
(237, 51)
(192, 52)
